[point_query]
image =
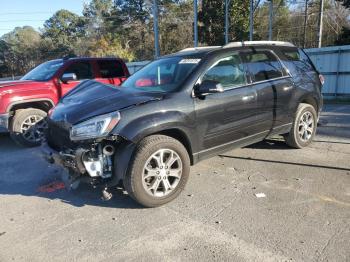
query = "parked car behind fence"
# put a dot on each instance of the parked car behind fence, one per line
(25, 103)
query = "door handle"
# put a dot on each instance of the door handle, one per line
(248, 98)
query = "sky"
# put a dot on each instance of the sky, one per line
(34, 13)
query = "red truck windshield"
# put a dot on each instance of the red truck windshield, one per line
(44, 71)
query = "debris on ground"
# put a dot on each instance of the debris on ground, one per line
(260, 195)
(52, 187)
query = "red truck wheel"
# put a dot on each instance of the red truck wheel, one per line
(28, 127)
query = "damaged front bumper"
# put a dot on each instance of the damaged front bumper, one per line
(92, 164)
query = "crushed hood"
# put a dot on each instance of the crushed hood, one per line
(92, 98)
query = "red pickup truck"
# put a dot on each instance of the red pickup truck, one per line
(25, 103)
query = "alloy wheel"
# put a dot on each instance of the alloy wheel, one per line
(33, 128)
(306, 126)
(162, 173)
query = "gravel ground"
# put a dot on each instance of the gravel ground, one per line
(303, 214)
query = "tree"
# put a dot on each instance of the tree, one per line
(346, 3)
(98, 14)
(110, 45)
(239, 24)
(20, 52)
(64, 28)
(211, 18)
(344, 38)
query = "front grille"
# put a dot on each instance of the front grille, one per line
(58, 137)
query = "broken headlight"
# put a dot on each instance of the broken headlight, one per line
(96, 127)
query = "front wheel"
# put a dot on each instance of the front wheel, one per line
(158, 171)
(28, 127)
(304, 127)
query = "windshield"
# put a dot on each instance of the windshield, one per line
(44, 71)
(163, 75)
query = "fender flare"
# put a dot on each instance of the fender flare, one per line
(122, 159)
(11, 105)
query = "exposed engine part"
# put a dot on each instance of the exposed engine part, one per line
(106, 195)
(108, 150)
(97, 163)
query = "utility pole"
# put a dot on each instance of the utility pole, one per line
(251, 20)
(270, 19)
(155, 28)
(305, 22)
(320, 27)
(227, 3)
(195, 29)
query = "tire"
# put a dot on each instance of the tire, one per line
(23, 119)
(304, 127)
(139, 186)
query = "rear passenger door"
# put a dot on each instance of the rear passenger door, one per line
(274, 88)
(110, 72)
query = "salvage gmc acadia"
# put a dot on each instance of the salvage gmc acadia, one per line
(181, 109)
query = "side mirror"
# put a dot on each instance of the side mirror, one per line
(208, 87)
(68, 77)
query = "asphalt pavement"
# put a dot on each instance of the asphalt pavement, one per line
(265, 202)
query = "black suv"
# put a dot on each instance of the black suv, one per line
(181, 109)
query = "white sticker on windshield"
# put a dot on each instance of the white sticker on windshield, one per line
(189, 61)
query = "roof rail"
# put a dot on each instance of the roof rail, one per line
(198, 48)
(252, 43)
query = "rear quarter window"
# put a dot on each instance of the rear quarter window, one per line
(299, 59)
(263, 65)
(110, 69)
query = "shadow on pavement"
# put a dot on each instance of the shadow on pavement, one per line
(24, 172)
(270, 144)
(285, 162)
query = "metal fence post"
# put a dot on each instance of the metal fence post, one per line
(270, 19)
(226, 21)
(155, 27)
(195, 29)
(337, 77)
(251, 20)
(320, 26)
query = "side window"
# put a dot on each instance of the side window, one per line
(300, 59)
(110, 69)
(228, 71)
(82, 70)
(262, 65)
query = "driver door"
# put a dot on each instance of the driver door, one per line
(223, 118)
(82, 69)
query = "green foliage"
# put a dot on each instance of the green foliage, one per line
(63, 29)
(20, 51)
(212, 21)
(346, 3)
(110, 46)
(344, 38)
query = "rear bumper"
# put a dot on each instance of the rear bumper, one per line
(4, 123)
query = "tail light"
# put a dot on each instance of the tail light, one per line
(322, 79)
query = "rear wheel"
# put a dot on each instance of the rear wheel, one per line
(158, 171)
(28, 127)
(304, 127)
